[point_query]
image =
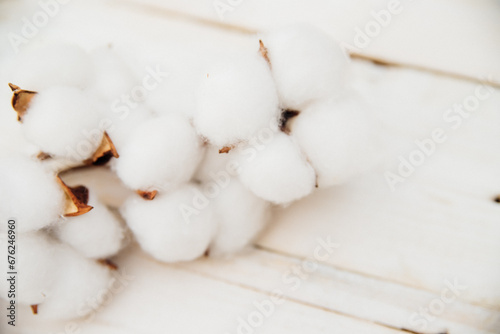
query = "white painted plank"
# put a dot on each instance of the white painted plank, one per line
(350, 293)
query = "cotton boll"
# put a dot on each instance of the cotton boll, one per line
(240, 216)
(161, 154)
(215, 165)
(172, 74)
(339, 138)
(118, 86)
(123, 122)
(64, 121)
(175, 90)
(237, 98)
(306, 64)
(97, 234)
(35, 261)
(277, 172)
(53, 65)
(60, 281)
(113, 77)
(29, 194)
(81, 287)
(175, 226)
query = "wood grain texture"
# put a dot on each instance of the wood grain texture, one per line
(344, 292)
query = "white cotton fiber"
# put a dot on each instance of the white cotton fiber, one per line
(53, 65)
(240, 216)
(57, 164)
(120, 89)
(277, 172)
(28, 194)
(123, 122)
(97, 234)
(81, 287)
(113, 78)
(306, 64)
(237, 98)
(64, 121)
(216, 166)
(175, 226)
(36, 265)
(174, 88)
(162, 153)
(339, 138)
(63, 283)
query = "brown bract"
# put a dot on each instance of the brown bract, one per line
(76, 199)
(34, 308)
(147, 195)
(43, 156)
(108, 263)
(21, 100)
(225, 149)
(263, 52)
(104, 152)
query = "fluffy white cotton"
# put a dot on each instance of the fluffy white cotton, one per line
(53, 276)
(161, 154)
(339, 138)
(53, 65)
(82, 285)
(240, 216)
(173, 87)
(58, 164)
(123, 122)
(29, 194)
(97, 234)
(306, 64)
(277, 171)
(36, 264)
(122, 92)
(175, 226)
(113, 79)
(64, 121)
(237, 98)
(217, 166)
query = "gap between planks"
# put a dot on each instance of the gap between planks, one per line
(367, 275)
(358, 273)
(290, 299)
(393, 324)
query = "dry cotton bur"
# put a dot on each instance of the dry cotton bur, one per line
(268, 128)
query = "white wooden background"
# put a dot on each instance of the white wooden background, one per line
(397, 249)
